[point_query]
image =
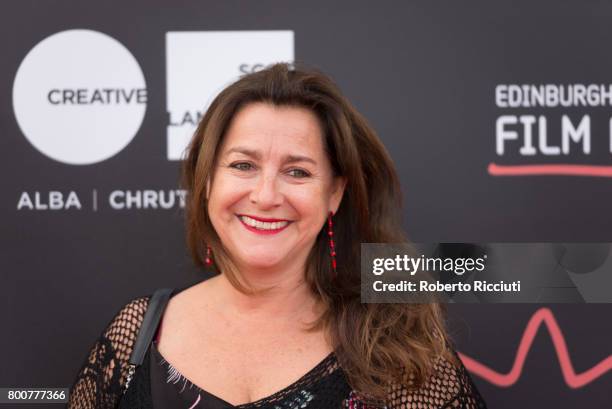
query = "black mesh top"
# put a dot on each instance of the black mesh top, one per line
(321, 387)
(101, 381)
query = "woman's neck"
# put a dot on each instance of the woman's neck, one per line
(288, 298)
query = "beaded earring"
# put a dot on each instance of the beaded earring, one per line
(208, 256)
(332, 245)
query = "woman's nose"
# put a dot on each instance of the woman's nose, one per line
(265, 193)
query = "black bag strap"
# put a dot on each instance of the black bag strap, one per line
(157, 305)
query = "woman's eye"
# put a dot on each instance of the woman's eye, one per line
(298, 173)
(241, 166)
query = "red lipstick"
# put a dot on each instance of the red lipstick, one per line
(266, 220)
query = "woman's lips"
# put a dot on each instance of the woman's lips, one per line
(261, 225)
(262, 219)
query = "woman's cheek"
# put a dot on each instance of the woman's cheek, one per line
(308, 197)
(229, 186)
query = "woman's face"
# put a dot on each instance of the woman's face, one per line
(273, 187)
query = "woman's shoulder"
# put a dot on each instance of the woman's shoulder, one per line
(127, 320)
(130, 315)
(104, 370)
(449, 385)
(133, 309)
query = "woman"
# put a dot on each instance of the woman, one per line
(285, 179)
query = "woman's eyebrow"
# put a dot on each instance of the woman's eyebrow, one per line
(245, 151)
(299, 158)
(257, 155)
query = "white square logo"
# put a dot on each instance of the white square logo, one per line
(199, 64)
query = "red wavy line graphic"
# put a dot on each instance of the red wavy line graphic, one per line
(543, 316)
(549, 169)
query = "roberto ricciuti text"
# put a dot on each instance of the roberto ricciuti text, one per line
(436, 286)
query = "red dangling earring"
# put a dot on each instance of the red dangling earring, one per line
(208, 256)
(332, 245)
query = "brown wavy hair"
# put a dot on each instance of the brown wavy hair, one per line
(377, 345)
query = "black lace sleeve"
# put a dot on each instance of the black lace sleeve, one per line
(449, 387)
(100, 381)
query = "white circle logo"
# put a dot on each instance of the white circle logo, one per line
(79, 97)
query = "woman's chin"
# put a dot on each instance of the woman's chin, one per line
(263, 262)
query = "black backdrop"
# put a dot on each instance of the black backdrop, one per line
(423, 73)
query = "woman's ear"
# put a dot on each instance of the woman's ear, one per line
(207, 189)
(338, 187)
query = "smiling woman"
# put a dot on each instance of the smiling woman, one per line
(272, 179)
(284, 181)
